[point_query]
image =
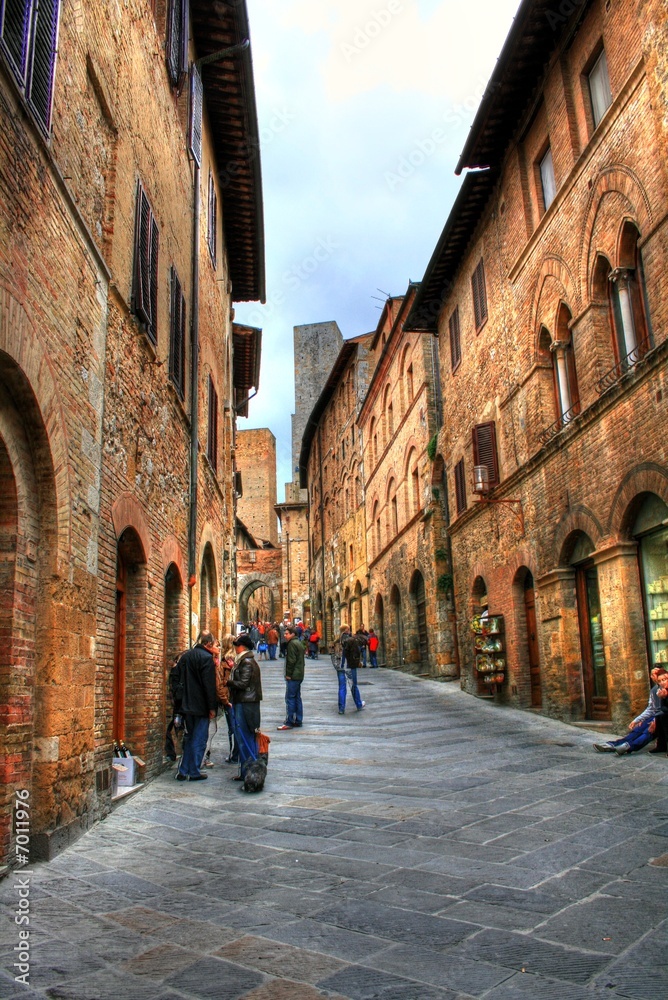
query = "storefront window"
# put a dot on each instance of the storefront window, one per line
(653, 537)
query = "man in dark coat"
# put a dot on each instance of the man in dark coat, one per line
(198, 704)
(245, 687)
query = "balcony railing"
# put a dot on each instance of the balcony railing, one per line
(620, 369)
(553, 429)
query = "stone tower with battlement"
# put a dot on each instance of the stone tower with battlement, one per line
(317, 347)
(256, 460)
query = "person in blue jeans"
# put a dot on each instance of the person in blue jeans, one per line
(245, 687)
(294, 675)
(349, 650)
(199, 703)
(649, 725)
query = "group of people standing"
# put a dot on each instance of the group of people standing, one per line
(224, 677)
(209, 678)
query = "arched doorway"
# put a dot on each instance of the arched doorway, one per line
(531, 633)
(647, 520)
(379, 626)
(418, 593)
(258, 602)
(397, 627)
(173, 626)
(129, 708)
(209, 617)
(577, 553)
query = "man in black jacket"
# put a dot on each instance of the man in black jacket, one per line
(198, 704)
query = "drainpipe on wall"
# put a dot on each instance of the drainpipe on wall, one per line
(194, 403)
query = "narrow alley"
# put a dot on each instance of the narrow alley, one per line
(431, 847)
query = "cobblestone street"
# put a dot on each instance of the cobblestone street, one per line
(432, 846)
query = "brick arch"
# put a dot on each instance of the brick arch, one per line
(553, 270)
(620, 179)
(172, 554)
(646, 477)
(19, 341)
(578, 518)
(127, 512)
(411, 445)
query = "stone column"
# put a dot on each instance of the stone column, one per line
(559, 642)
(623, 624)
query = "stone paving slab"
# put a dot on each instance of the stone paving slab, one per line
(461, 851)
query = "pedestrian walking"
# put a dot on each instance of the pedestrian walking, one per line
(272, 641)
(362, 637)
(346, 658)
(294, 675)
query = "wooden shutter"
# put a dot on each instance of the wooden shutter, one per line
(176, 48)
(460, 486)
(196, 102)
(14, 33)
(455, 339)
(479, 295)
(177, 335)
(212, 437)
(484, 450)
(147, 239)
(42, 63)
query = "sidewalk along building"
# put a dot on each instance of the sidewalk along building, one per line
(548, 294)
(330, 466)
(405, 506)
(133, 223)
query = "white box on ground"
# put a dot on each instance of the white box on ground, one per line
(127, 777)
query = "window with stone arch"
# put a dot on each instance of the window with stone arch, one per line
(376, 536)
(387, 415)
(405, 379)
(373, 441)
(393, 509)
(412, 483)
(628, 298)
(564, 372)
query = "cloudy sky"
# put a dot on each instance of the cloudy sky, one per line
(363, 110)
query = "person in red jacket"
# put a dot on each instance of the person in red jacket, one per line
(373, 643)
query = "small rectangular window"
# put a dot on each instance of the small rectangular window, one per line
(479, 295)
(177, 335)
(28, 40)
(145, 279)
(484, 450)
(212, 435)
(460, 486)
(547, 181)
(455, 340)
(212, 220)
(599, 88)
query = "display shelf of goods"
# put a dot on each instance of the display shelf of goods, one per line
(490, 663)
(657, 590)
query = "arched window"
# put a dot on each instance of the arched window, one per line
(375, 520)
(386, 404)
(373, 441)
(565, 378)
(628, 298)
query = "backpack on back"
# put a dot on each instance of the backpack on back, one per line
(350, 648)
(175, 682)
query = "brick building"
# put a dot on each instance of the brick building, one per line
(131, 225)
(548, 293)
(405, 514)
(256, 461)
(330, 465)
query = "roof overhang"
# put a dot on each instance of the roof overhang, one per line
(229, 95)
(247, 350)
(538, 28)
(446, 259)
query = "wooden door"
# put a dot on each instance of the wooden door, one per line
(532, 643)
(118, 717)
